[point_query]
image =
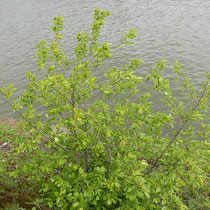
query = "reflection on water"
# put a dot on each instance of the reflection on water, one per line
(171, 29)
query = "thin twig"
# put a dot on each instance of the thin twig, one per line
(187, 90)
(62, 95)
(39, 131)
(177, 133)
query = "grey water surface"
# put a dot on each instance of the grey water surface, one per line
(167, 29)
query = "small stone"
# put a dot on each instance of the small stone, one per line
(4, 144)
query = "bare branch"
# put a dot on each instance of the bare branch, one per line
(62, 95)
(177, 133)
(187, 90)
(39, 131)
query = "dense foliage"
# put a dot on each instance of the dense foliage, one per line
(97, 143)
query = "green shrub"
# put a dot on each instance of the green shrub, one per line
(105, 146)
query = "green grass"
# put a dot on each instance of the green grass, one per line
(13, 206)
(11, 196)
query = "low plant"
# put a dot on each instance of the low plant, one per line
(103, 144)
